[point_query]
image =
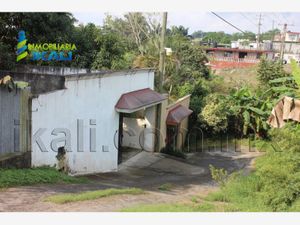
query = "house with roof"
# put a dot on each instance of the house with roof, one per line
(291, 45)
(236, 57)
(83, 121)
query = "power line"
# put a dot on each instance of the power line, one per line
(228, 22)
(272, 19)
(262, 15)
(283, 16)
(248, 19)
(277, 17)
(256, 18)
(269, 16)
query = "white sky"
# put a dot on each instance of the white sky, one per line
(206, 21)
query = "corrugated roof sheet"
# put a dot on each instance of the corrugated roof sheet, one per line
(136, 100)
(238, 50)
(177, 114)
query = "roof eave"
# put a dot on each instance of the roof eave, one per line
(137, 109)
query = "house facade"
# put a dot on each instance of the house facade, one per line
(81, 121)
(291, 45)
(236, 57)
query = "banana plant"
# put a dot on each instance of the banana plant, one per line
(251, 110)
(287, 86)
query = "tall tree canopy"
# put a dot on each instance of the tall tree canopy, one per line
(39, 27)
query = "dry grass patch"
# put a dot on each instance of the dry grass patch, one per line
(91, 195)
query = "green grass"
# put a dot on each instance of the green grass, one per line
(242, 194)
(91, 195)
(239, 76)
(166, 187)
(194, 199)
(41, 175)
(295, 206)
(175, 207)
(274, 186)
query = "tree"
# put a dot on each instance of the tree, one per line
(198, 34)
(141, 29)
(269, 35)
(269, 70)
(219, 37)
(85, 38)
(94, 47)
(178, 30)
(111, 50)
(246, 35)
(39, 27)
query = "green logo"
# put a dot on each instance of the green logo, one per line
(44, 51)
(21, 47)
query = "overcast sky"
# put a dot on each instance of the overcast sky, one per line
(206, 21)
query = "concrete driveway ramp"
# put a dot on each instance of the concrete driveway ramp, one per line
(141, 160)
(161, 163)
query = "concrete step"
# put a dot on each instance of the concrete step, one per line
(16, 160)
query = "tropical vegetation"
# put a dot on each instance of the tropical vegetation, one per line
(219, 107)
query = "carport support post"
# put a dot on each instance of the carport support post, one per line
(158, 127)
(121, 116)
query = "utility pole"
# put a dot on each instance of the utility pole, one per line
(162, 51)
(282, 46)
(273, 27)
(258, 32)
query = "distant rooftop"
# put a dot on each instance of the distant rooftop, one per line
(238, 50)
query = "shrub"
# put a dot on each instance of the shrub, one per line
(269, 70)
(214, 113)
(166, 187)
(273, 186)
(219, 175)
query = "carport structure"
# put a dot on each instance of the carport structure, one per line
(139, 121)
(175, 137)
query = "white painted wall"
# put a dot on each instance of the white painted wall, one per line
(288, 57)
(132, 129)
(136, 135)
(84, 99)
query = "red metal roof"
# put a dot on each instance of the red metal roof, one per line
(136, 100)
(292, 32)
(177, 114)
(237, 50)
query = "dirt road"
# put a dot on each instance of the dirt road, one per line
(148, 171)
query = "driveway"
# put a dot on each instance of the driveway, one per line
(148, 171)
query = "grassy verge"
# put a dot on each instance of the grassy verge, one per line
(194, 204)
(91, 195)
(274, 185)
(42, 175)
(241, 194)
(175, 207)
